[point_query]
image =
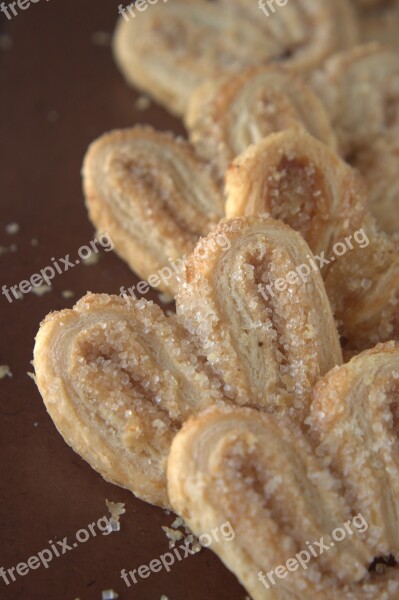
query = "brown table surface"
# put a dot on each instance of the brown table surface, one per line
(58, 91)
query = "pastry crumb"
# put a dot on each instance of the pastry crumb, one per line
(178, 522)
(101, 38)
(12, 228)
(40, 290)
(92, 259)
(109, 595)
(142, 103)
(173, 535)
(5, 371)
(67, 294)
(116, 509)
(165, 298)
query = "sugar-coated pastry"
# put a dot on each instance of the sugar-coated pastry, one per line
(174, 46)
(308, 30)
(302, 182)
(119, 378)
(226, 116)
(153, 196)
(363, 288)
(267, 331)
(264, 478)
(355, 424)
(360, 89)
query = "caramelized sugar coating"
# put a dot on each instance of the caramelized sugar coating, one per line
(301, 181)
(281, 489)
(153, 196)
(226, 116)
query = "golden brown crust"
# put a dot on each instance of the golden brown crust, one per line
(260, 474)
(119, 378)
(152, 195)
(226, 116)
(360, 91)
(300, 181)
(308, 30)
(245, 309)
(172, 48)
(355, 423)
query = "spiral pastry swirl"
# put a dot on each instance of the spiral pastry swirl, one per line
(355, 423)
(226, 116)
(119, 378)
(152, 194)
(261, 475)
(174, 47)
(245, 306)
(302, 182)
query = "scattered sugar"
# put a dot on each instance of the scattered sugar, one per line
(172, 535)
(165, 298)
(116, 509)
(178, 522)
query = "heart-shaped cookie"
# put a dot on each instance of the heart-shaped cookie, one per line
(292, 497)
(302, 182)
(173, 47)
(119, 378)
(153, 196)
(289, 174)
(360, 90)
(226, 116)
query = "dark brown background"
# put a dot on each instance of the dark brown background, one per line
(47, 491)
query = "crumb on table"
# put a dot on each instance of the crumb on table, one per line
(5, 371)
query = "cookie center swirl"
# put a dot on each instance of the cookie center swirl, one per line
(277, 345)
